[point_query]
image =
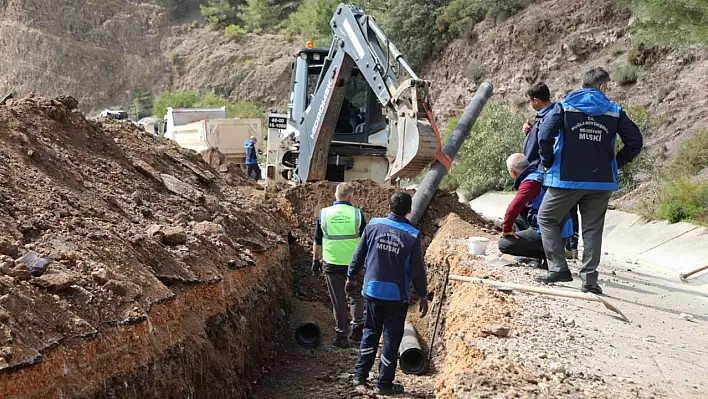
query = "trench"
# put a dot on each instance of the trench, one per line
(326, 371)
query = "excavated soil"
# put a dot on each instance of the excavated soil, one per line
(167, 277)
(304, 202)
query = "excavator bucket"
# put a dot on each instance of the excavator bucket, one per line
(413, 141)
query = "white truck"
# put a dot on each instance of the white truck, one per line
(202, 128)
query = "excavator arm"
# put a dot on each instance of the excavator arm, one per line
(413, 140)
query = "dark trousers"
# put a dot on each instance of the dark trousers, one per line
(528, 244)
(254, 172)
(336, 285)
(592, 205)
(573, 241)
(388, 317)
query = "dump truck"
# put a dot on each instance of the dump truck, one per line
(200, 129)
(356, 110)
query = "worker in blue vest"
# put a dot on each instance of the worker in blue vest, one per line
(253, 170)
(391, 251)
(577, 148)
(337, 233)
(521, 234)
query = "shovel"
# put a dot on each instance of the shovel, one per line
(684, 276)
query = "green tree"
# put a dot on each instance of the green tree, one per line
(480, 166)
(219, 13)
(675, 21)
(410, 24)
(267, 15)
(140, 105)
(311, 20)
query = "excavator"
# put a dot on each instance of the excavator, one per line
(356, 110)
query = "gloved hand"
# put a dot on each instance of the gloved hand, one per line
(351, 286)
(316, 266)
(423, 307)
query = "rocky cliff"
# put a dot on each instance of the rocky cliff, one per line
(97, 51)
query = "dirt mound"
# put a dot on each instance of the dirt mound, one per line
(305, 202)
(129, 221)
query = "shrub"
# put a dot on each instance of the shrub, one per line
(642, 53)
(683, 200)
(172, 57)
(240, 109)
(459, 15)
(185, 99)
(691, 156)
(679, 197)
(474, 70)
(234, 32)
(480, 166)
(626, 75)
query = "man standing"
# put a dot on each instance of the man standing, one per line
(254, 172)
(538, 97)
(391, 249)
(578, 155)
(523, 211)
(337, 233)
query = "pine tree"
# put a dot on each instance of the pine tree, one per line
(674, 21)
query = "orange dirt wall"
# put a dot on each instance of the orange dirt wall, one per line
(210, 341)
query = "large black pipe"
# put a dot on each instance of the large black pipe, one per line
(308, 335)
(410, 355)
(425, 192)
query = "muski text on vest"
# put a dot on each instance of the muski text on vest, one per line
(389, 241)
(590, 129)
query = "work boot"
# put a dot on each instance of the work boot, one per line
(341, 342)
(594, 288)
(394, 389)
(555, 277)
(359, 380)
(357, 334)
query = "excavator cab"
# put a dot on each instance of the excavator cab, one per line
(358, 148)
(360, 98)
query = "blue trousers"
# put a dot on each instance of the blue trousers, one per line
(389, 318)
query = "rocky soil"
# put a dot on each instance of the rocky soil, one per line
(129, 225)
(497, 345)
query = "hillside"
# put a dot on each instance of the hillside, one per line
(555, 41)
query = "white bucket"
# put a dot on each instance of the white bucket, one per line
(478, 245)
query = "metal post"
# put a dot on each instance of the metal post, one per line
(432, 179)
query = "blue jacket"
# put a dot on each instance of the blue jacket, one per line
(390, 249)
(251, 156)
(533, 207)
(531, 148)
(578, 142)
